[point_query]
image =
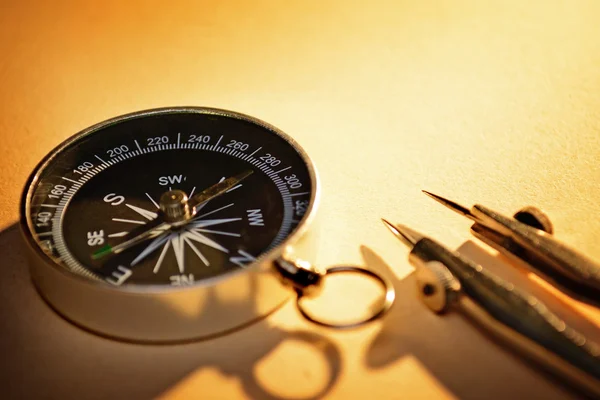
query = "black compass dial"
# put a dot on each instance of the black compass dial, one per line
(105, 186)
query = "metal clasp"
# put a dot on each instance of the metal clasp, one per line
(307, 281)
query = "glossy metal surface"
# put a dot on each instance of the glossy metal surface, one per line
(166, 314)
(376, 312)
(507, 312)
(531, 241)
(497, 101)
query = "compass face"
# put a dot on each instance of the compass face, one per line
(104, 187)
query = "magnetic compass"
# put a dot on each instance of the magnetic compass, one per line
(171, 224)
(139, 173)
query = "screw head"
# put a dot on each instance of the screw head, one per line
(436, 286)
(535, 218)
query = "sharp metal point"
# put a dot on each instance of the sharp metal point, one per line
(244, 174)
(451, 205)
(407, 235)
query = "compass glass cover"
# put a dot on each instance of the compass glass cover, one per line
(107, 182)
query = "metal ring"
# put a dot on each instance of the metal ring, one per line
(390, 295)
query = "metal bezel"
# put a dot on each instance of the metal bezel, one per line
(58, 285)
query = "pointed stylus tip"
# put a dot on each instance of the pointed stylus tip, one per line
(406, 235)
(392, 227)
(428, 193)
(389, 225)
(439, 199)
(450, 204)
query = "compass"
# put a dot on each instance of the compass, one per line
(150, 226)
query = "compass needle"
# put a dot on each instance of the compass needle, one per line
(129, 221)
(176, 209)
(235, 187)
(150, 248)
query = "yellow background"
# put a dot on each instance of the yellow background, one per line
(494, 102)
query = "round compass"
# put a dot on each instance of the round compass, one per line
(163, 224)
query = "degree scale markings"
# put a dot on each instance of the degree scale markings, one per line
(57, 219)
(70, 180)
(281, 170)
(255, 151)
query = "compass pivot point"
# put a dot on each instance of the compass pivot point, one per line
(174, 205)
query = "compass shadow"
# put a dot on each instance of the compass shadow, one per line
(44, 356)
(458, 357)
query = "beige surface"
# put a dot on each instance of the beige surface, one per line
(482, 101)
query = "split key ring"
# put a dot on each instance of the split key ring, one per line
(307, 281)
